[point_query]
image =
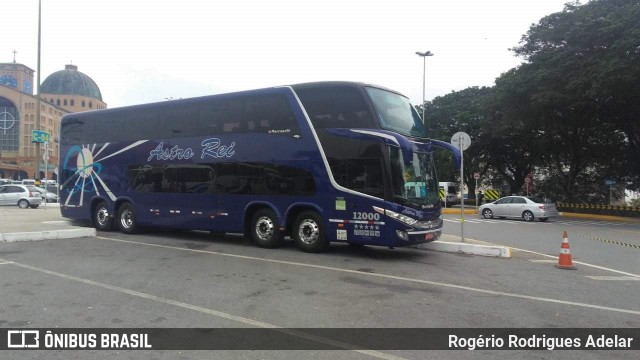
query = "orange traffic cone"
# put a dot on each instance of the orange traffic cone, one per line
(564, 260)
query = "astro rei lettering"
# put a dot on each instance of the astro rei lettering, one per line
(170, 154)
(211, 147)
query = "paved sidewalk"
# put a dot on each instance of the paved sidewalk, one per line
(42, 223)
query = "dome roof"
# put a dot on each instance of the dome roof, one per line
(70, 81)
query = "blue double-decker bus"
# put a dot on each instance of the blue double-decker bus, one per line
(319, 162)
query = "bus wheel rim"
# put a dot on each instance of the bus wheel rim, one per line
(308, 231)
(264, 228)
(102, 216)
(126, 219)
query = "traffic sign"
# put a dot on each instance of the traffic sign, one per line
(38, 136)
(461, 140)
(527, 180)
(45, 155)
(476, 176)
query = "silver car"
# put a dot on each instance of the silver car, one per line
(24, 196)
(525, 207)
(48, 195)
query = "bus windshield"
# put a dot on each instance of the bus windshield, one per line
(396, 113)
(415, 184)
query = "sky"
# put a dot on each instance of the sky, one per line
(141, 51)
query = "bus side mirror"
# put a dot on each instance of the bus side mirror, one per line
(456, 153)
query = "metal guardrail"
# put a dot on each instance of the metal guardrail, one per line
(600, 209)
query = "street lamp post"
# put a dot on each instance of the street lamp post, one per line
(424, 75)
(36, 176)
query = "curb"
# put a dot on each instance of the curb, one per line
(454, 211)
(471, 249)
(599, 217)
(47, 235)
(457, 211)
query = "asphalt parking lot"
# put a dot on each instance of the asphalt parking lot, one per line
(198, 280)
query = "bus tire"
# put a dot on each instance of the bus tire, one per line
(102, 219)
(308, 232)
(127, 219)
(265, 230)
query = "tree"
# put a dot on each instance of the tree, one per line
(465, 110)
(588, 59)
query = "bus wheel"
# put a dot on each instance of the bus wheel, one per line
(127, 219)
(308, 232)
(265, 231)
(102, 220)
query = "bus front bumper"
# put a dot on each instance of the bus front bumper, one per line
(416, 236)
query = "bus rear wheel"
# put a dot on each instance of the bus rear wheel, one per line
(308, 232)
(102, 219)
(127, 219)
(265, 231)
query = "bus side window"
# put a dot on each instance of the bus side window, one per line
(336, 107)
(270, 112)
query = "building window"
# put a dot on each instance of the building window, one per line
(83, 103)
(58, 102)
(65, 102)
(90, 105)
(72, 102)
(10, 125)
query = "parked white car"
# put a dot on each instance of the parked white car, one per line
(24, 196)
(525, 207)
(48, 195)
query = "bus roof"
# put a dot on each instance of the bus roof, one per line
(168, 103)
(319, 84)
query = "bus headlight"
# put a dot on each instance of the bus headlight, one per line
(394, 215)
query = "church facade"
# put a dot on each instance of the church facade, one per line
(62, 92)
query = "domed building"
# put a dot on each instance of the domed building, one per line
(62, 92)
(72, 90)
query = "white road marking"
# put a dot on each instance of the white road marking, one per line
(579, 262)
(6, 262)
(212, 312)
(393, 277)
(618, 278)
(542, 260)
